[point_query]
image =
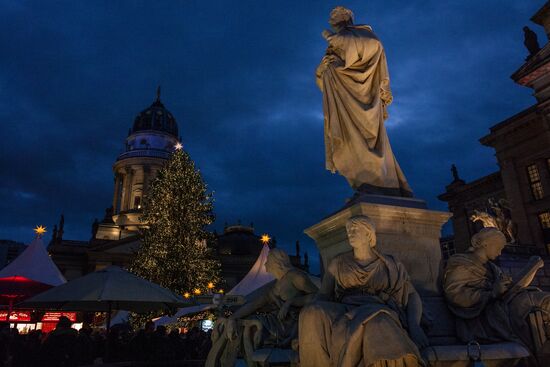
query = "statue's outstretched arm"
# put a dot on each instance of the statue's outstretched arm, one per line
(253, 305)
(303, 283)
(527, 274)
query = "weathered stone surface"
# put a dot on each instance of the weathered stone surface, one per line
(410, 234)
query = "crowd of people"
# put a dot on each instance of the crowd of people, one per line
(67, 347)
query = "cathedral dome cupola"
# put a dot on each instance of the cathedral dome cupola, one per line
(156, 118)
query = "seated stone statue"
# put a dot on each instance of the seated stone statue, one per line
(367, 313)
(270, 319)
(491, 307)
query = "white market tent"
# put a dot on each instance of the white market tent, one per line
(256, 277)
(34, 263)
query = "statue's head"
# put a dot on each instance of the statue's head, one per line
(361, 230)
(340, 17)
(277, 263)
(490, 241)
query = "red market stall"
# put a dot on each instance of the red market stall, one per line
(50, 319)
(31, 273)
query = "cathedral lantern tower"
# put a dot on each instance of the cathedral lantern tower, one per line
(150, 142)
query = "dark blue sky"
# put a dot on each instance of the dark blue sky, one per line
(239, 78)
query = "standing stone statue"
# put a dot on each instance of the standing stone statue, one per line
(530, 41)
(353, 76)
(268, 320)
(367, 313)
(490, 306)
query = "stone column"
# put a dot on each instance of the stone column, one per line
(146, 180)
(127, 189)
(116, 195)
(517, 196)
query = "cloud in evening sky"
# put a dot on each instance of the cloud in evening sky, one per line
(239, 78)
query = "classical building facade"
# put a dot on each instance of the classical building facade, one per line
(9, 250)
(517, 197)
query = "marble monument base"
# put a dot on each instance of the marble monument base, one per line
(405, 228)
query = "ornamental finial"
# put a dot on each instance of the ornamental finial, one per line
(40, 231)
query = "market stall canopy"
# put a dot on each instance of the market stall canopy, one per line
(109, 289)
(16, 287)
(34, 264)
(256, 278)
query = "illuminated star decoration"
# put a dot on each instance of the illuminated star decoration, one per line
(178, 146)
(40, 230)
(265, 239)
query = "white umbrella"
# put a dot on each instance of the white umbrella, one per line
(109, 289)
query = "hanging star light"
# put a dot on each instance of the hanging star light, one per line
(186, 295)
(210, 285)
(265, 239)
(40, 230)
(197, 291)
(178, 146)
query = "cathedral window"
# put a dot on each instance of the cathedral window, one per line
(137, 202)
(544, 219)
(534, 179)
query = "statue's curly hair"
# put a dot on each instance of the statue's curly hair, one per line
(364, 221)
(341, 14)
(483, 235)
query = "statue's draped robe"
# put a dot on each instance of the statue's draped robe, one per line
(356, 91)
(468, 286)
(262, 330)
(366, 326)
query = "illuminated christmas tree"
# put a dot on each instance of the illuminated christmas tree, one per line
(174, 251)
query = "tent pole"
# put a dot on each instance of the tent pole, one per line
(10, 309)
(108, 316)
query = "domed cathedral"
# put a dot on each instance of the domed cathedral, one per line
(150, 141)
(149, 144)
(114, 241)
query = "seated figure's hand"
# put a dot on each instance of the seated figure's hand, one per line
(418, 336)
(536, 262)
(283, 311)
(501, 286)
(231, 328)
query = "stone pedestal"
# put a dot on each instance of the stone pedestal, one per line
(405, 228)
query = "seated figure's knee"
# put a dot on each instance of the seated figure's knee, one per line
(315, 313)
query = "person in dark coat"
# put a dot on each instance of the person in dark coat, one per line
(84, 347)
(141, 344)
(162, 347)
(59, 349)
